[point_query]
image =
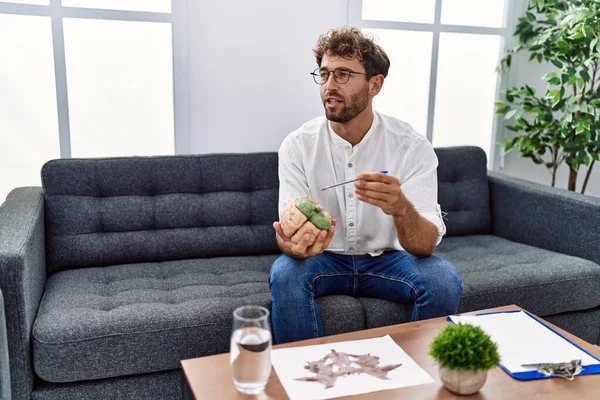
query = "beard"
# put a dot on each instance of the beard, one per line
(350, 109)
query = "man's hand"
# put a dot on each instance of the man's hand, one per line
(416, 234)
(308, 245)
(383, 191)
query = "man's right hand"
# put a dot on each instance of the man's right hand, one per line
(308, 245)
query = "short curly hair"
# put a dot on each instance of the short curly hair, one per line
(348, 42)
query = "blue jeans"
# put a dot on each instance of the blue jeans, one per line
(431, 283)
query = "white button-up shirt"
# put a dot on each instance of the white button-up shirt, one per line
(314, 156)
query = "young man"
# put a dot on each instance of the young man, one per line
(385, 226)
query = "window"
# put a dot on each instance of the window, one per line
(161, 6)
(443, 55)
(85, 78)
(28, 117)
(120, 87)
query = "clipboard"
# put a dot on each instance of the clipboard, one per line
(522, 339)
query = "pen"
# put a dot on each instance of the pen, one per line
(346, 182)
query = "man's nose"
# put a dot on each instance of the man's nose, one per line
(330, 82)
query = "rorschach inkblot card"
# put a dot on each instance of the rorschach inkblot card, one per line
(331, 370)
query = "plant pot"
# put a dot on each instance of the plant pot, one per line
(462, 382)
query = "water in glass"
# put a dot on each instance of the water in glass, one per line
(251, 349)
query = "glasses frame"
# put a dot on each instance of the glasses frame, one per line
(317, 75)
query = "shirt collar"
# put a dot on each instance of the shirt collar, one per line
(343, 142)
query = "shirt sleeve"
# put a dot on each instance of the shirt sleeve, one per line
(292, 176)
(420, 185)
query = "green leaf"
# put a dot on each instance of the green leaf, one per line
(530, 16)
(555, 96)
(515, 128)
(577, 35)
(540, 5)
(585, 75)
(563, 45)
(573, 163)
(593, 44)
(510, 114)
(549, 76)
(556, 63)
(596, 156)
(580, 83)
(554, 81)
(530, 90)
(586, 161)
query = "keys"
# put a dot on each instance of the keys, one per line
(565, 370)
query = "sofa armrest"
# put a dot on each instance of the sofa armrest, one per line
(4, 367)
(22, 278)
(545, 217)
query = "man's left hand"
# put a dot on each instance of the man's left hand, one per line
(381, 190)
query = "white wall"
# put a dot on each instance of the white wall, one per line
(531, 73)
(249, 70)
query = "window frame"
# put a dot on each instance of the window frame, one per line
(496, 152)
(178, 20)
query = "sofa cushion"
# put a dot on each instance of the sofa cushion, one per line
(113, 211)
(106, 322)
(463, 192)
(497, 272)
(130, 319)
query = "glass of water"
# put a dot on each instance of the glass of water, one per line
(251, 349)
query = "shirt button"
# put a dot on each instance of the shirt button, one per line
(350, 195)
(350, 165)
(351, 248)
(351, 224)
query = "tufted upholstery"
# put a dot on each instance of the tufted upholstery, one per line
(114, 211)
(145, 317)
(463, 192)
(496, 272)
(94, 319)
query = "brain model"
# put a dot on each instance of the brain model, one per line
(301, 216)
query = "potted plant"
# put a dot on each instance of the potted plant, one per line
(562, 124)
(464, 354)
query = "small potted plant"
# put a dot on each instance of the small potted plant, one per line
(464, 353)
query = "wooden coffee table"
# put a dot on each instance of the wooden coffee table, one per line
(211, 377)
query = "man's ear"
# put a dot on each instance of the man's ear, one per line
(375, 84)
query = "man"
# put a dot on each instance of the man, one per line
(385, 226)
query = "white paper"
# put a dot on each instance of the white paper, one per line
(523, 340)
(289, 365)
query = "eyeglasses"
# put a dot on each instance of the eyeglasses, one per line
(341, 75)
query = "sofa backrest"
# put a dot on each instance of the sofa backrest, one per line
(136, 209)
(463, 191)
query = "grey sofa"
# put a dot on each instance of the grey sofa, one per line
(119, 268)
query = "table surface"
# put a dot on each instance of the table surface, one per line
(211, 377)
